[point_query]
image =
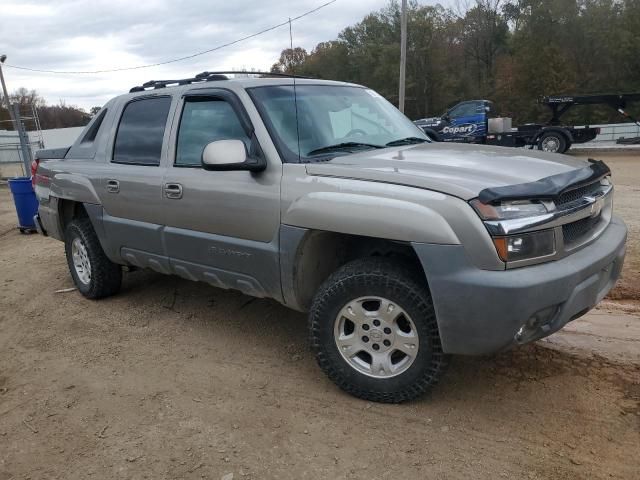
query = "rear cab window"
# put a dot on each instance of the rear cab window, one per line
(94, 137)
(94, 128)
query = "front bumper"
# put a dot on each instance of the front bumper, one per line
(482, 311)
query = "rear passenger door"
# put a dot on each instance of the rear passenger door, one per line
(221, 226)
(132, 184)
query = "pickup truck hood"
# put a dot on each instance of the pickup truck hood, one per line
(457, 169)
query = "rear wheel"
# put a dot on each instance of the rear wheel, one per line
(553, 142)
(374, 331)
(93, 273)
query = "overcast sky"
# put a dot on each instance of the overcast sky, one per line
(81, 35)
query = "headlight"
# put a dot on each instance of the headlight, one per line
(521, 246)
(525, 246)
(509, 210)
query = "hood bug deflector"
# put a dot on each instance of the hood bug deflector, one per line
(548, 187)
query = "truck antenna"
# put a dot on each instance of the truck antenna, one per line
(295, 94)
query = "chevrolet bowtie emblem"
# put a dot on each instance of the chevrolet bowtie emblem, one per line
(596, 206)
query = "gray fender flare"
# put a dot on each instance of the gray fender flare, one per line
(370, 216)
(78, 188)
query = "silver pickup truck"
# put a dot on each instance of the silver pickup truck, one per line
(324, 197)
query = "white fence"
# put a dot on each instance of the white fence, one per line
(9, 147)
(54, 138)
(611, 132)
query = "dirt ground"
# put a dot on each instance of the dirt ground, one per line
(173, 379)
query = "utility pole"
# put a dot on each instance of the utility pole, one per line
(23, 136)
(403, 54)
(4, 87)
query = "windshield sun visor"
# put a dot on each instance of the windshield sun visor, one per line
(548, 187)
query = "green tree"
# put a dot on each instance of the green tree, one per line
(511, 51)
(290, 60)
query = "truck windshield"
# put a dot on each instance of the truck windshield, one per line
(331, 121)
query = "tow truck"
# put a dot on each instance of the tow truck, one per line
(474, 121)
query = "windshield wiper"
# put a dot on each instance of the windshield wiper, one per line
(343, 146)
(407, 141)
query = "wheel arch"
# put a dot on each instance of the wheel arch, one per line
(68, 210)
(310, 256)
(561, 130)
(432, 134)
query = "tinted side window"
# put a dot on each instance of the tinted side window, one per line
(463, 110)
(204, 121)
(140, 133)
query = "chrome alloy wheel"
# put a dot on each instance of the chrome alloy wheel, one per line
(81, 261)
(376, 337)
(550, 144)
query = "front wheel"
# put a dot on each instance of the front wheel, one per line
(374, 331)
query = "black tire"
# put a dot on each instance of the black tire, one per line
(567, 147)
(395, 281)
(433, 135)
(558, 139)
(105, 276)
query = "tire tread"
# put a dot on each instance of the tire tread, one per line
(106, 276)
(394, 276)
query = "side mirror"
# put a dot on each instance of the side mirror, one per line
(226, 155)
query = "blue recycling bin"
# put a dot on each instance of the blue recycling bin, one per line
(25, 201)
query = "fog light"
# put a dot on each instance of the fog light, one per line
(537, 325)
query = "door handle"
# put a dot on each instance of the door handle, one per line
(173, 190)
(113, 186)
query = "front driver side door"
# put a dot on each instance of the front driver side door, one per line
(466, 120)
(221, 227)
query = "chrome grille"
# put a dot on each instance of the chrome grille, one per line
(575, 230)
(577, 194)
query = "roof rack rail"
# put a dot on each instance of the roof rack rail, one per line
(205, 77)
